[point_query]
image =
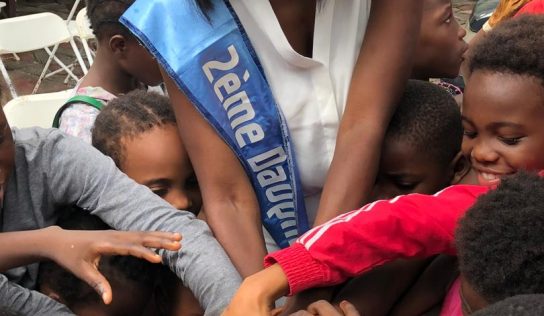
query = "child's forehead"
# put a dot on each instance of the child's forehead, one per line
(435, 4)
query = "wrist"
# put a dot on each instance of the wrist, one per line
(47, 244)
(267, 285)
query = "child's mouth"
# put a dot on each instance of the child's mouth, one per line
(488, 179)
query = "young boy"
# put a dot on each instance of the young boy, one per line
(422, 146)
(120, 66)
(499, 242)
(45, 169)
(502, 118)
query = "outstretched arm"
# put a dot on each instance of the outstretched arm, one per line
(382, 69)
(80, 251)
(409, 226)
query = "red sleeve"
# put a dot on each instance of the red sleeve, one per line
(413, 225)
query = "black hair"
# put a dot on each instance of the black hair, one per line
(514, 46)
(428, 118)
(129, 116)
(520, 305)
(75, 292)
(104, 15)
(500, 241)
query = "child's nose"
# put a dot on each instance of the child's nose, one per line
(483, 153)
(462, 32)
(180, 200)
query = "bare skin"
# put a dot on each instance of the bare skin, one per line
(379, 76)
(79, 251)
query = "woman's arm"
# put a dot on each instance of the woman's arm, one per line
(231, 206)
(382, 69)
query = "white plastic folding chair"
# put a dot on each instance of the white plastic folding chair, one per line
(34, 32)
(36, 109)
(85, 33)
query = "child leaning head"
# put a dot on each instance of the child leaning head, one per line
(500, 243)
(421, 150)
(117, 47)
(139, 132)
(503, 106)
(132, 279)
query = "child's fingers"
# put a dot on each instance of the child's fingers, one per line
(96, 280)
(159, 240)
(322, 307)
(348, 309)
(128, 249)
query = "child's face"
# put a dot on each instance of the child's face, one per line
(440, 47)
(141, 65)
(503, 117)
(403, 170)
(158, 160)
(7, 154)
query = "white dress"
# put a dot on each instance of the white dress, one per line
(311, 92)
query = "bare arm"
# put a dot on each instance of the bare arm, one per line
(382, 69)
(232, 210)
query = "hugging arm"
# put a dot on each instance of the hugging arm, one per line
(102, 189)
(409, 226)
(383, 67)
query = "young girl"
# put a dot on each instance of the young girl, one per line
(139, 132)
(502, 115)
(121, 65)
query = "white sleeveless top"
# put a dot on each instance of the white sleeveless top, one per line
(311, 92)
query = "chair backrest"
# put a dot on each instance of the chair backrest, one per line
(35, 110)
(83, 24)
(32, 32)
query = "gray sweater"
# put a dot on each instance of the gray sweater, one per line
(52, 170)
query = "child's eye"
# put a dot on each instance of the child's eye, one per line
(469, 134)
(160, 191)
(406, 186)
(510, 141)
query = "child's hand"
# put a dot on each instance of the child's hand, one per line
(324, 308)
(79, 251)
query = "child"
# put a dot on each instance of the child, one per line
(499, 242)
(132, 279)
(502, 118)
(139, 132)
(421, 154)
(121, 64)
(440, 45)
(422, 147)
(45, 169)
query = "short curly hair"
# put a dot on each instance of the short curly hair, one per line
(127, 117)
(514, 47)
(104, 15)
(74, 291)
(428, 118)
(500, 241)
(519, 305)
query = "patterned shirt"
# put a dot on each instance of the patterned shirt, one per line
(78, 119)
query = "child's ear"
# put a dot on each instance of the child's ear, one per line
(118, 44)
(460, 166)
(46, 290)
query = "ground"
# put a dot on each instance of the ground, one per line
(25, 72)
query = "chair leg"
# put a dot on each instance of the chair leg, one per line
(46, 67)
(7, 79)
(78, 56)
(87, 52)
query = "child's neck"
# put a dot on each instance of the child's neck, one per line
(108, 75)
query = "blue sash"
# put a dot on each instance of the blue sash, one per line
(214, 64)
